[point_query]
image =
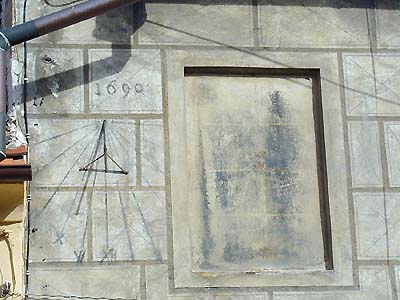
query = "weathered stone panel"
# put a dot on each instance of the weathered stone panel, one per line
(56, 81)
(85, 282)
(310, 24)
(129, 225)
(125, 81)
(254, 184)
(197, 23)
(152, 152)
(365, 154)
(58, 230)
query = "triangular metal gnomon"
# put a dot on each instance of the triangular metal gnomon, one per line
(105, 155)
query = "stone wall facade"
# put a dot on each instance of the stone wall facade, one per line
(116, 84)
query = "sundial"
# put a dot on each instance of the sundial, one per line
(90, 208)
(104, 163)
(89, 203)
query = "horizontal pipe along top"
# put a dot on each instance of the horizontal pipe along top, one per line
(61, 19)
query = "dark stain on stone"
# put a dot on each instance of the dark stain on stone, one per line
(37, 101)
(232, 148)
(281, 137)
(229, 186)
(48, 68)
(222, 187)
(280, 171)
(207, 242)
(234, 253)
(48, 60)
(231, 141)
(281, 156)
(218, 148)
(235, 162)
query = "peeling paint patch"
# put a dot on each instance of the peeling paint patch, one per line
(53, 86)
(14, 135)
(55, 80)
(49, 63)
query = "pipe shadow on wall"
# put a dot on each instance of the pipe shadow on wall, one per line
(307, 3)
(117, 27)
(136, 16)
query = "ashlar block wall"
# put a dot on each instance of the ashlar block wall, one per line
(252, 151)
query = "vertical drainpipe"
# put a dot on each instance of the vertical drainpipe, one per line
(38, 27)
(3, 91)
(3, 102)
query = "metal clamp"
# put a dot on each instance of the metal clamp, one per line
(4, 42)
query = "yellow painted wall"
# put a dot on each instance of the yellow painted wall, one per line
(11, 202)
(12, 248)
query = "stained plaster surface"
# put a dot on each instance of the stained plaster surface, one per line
(266, 184)
(110, 235)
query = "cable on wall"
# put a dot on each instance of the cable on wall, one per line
(5, 236)
(63, 4)
(27, 136)
(55, 297)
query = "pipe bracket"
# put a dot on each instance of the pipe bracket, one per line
(4, 42)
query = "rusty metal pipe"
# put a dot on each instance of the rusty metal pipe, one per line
(77, 14)
(38, 27)
(15, 173)
(3, 103)
(61, 19)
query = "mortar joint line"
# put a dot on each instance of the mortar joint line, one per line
(256, 29)
(143, 287)
(356, 276)
(138, 150)
(167, 174)
(86, 81)
(385, 186)
(90, 237)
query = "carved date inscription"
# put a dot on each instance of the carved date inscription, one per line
(116, 88)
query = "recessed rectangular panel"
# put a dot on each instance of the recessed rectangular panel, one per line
(254, 151)
(254, 179)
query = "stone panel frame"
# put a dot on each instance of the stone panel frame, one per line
(179, 254)
(292, 74)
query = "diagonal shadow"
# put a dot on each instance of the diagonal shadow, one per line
(109, 27)
(117, 61)
(309, 3)
(258, 55)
